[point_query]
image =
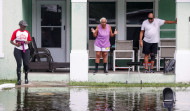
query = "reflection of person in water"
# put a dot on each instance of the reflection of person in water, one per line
(149, 102)
(18, 108)
(22, 106)
(102, 103)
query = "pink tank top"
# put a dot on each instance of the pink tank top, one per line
(102, 40)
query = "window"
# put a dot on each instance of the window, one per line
(136, 13)
(98, 10)
(51, 16)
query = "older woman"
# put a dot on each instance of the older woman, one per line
(20, 39)
(102, 33)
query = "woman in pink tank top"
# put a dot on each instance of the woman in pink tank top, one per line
(102, 44)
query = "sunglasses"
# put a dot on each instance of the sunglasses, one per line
(150, 18)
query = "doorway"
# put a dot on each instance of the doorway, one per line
(51, 28)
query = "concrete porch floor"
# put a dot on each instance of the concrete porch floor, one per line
(117, 76)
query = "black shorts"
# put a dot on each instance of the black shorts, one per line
(149, 48)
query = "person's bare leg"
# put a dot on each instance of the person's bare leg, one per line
(152, 64)
(104, 55)
(152, 67)
(152, 55)
(97, 61)
(98, 56)
(146, 56)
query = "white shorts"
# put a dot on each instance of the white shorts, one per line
(96, 48)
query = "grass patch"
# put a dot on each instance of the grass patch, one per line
(7, 81)
(117, 84)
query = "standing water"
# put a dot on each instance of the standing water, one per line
(90, 99)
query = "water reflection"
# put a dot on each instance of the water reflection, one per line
(18, 99)
(91, 99)
(42, 101)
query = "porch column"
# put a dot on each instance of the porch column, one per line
(79, 55)
(121, 19)
(183, 41)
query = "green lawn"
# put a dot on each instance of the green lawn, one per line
(114, 84)
(7, 81)
(117, 84)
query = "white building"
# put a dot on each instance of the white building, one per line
(63, 26)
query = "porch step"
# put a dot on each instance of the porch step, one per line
(133, 77)
(47, 76)
(118, 76)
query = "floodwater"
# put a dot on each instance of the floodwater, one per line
(90, 99)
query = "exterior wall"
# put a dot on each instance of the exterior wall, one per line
(1, 29)
(12, 14)
(183, 40)
(167, 11)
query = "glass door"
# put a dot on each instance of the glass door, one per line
(51, 28)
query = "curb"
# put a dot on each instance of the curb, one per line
(8, 85)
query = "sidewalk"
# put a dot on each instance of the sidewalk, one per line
(44, 84)
(7, 85)
(35, 84)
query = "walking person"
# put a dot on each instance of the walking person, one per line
(151, 31)
(20, 39)
(102, 33)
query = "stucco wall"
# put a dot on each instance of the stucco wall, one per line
(183, 14)
(183, 40)
(12, 14)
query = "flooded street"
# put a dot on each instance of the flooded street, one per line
(90, 99)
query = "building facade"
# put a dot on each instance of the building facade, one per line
(63, 26)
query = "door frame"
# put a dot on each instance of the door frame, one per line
(67, 25)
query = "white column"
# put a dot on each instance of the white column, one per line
(121, 19)
(1, 29)
(183, 41)
(78, 99)
(79, 55)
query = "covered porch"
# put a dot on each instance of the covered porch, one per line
(128, 30)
